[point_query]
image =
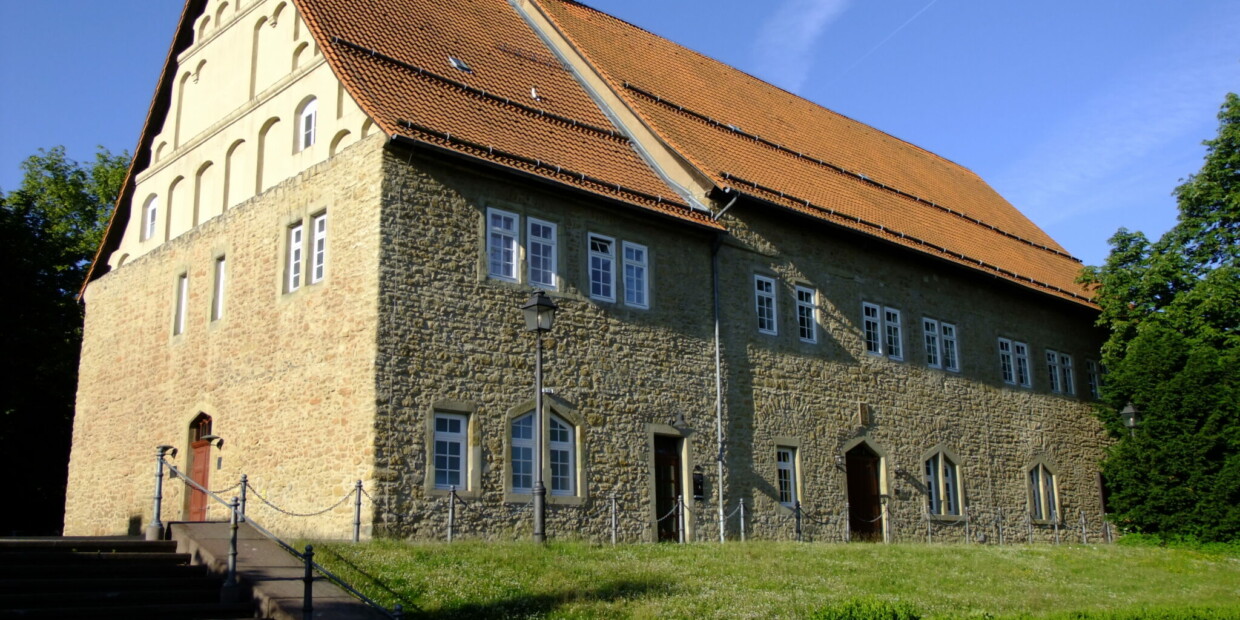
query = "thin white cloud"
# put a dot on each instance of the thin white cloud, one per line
(1118, 136)
(783, 50)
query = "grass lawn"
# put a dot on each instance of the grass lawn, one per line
(788, 580)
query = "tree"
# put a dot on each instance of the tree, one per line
(50, 228)
(1173, 311)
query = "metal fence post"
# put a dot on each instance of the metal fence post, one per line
(398, 612)
(245, 482)
(929, 538)
(229, 593)
(680, 517)
(1084, 534)
(1000, 517)
(968, 537)
(742, 519)
(847, 522)
(451, 511)
(1055, 519)
(357, 512)
(307, 599)
(155, 531)
(613, 518)
(797, 509)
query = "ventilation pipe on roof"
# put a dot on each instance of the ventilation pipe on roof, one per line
(714, 289)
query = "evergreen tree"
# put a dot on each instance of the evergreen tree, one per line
(1173, 311)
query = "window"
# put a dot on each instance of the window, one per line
(1093, 379)
(602, 271)
(1054, 371)
(320, 248)
(502, 245)
(540, 246)
(217, 293)
(561, 450)
(635, 281)
(293, 267)
(450, 450)
(1042, 497)
(930, 328)
(1021, 352)
(151, 216)
(942, 485)
(1006, 364)
(786, 473)
(951, 355)
(1069, 383)
(882, 335)
(522, 456)
(182, 297)
(306, 124)
(764, 304)
(806, 306)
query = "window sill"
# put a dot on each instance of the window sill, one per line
(947, 518)
(461, 493)
(556, 500)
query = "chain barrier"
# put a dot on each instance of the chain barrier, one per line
(223, 491)
(298, 514)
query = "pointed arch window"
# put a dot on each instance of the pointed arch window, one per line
(942, 478)
(307, 122)
(1043, 493)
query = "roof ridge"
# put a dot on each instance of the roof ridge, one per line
(1007, 273)
(733, 129)
(473, 90)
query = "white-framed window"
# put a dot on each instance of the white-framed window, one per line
(502, 245)
(807, 311)
(951, 351)
(540, 239)
(1007, 365)
(1053, 371)
(764, 304)
(891, 329)
(602, 259)
(1024, 376)
(179, 310)
(786, 474)
(150, 217)
(1093, 379)
(1069, 382)
(521, 457)
(1043, 498)
(930, 329)
(306, 124)
(562, 449)
(636, 287)
(293, 264)
(319, 259)
(451, 450)
(217, 292)
(872, 327)
(942, 485)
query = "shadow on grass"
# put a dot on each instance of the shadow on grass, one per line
(526, 605)
(411, 608)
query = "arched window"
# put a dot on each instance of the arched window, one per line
(561, 453)
(562, 448)
(942, 477)
(150, 215)
(1043, 495)
(523, 454)
(307, 119)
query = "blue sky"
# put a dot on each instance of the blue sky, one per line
(1085, 115)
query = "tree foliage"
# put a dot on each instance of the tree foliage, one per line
(49, 230)
(1173, 310)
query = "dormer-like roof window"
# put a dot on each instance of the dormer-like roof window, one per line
(459, 64)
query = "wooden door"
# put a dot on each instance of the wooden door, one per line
(200, 467)
(865, 509)
(667, 485)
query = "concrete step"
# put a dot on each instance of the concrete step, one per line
(86, 543)
(108, 558)
(72, 596)
(99, 570)
(190, 611)
(187, 580)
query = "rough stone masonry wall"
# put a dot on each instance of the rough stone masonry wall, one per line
(287, 378)
(452, 337)
(780, 387)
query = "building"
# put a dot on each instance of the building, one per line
(336, 207)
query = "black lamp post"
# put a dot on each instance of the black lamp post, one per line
(539, 314)
(1129, 416)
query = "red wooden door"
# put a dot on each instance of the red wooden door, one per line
(864, 503)
(667, 485)
(200, 467)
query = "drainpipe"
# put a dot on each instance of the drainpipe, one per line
(714, 275)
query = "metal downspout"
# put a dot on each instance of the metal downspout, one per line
(714, 275)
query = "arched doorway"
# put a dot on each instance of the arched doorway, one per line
(199, 466)
(865, 509)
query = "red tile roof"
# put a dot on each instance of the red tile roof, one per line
(750, 136)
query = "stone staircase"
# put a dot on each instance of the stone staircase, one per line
(79, 577)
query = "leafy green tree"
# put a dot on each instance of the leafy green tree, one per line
(1173, 311)
(50, 228)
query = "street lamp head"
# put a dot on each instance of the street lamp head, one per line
(539, 312)
(1129, 415)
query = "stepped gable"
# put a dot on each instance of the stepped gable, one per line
(394, 58)
(750, 136)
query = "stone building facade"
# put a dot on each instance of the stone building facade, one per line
(329, 280)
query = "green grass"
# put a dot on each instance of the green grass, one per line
(789, 580)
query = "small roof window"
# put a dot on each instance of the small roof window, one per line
(459, 64)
